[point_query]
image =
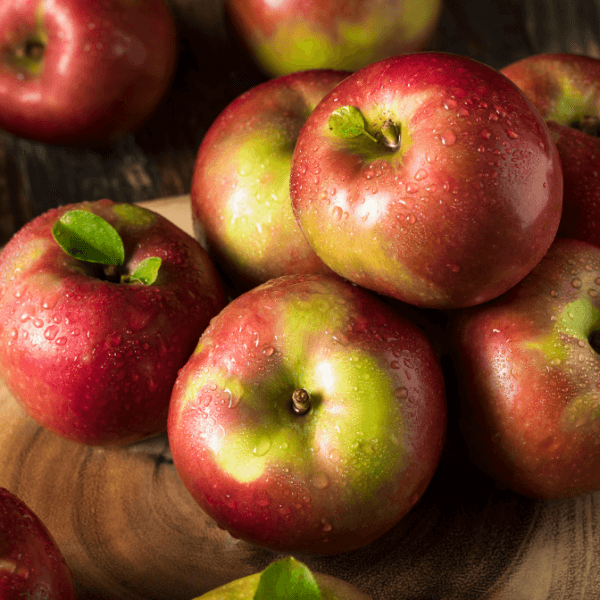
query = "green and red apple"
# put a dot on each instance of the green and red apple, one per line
(83, 71)
(286, 578)
(430, 178)
(31, 563)
(295, 35)
(310, 418)
(565, 89)
(529, 367)
(240, 196)
(90, 350)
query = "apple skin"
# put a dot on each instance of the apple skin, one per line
(92, 360)
(459, 212)
(240, 197)
(331, 588)
(105, 65)
(369, 444)
(529, 377)
(565, 89)
(31, 563)
(295, 35)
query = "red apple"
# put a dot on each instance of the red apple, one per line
(240, 185)
(294, 35)
(565, 88)
(91, 359)
(310, 418)
(430, 178)
(83, 71)
(31, 563)
(286, 578)
(529, 369)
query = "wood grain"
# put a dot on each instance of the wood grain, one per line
(129, 529)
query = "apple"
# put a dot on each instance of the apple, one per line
(528, 364)
(240, 197)
(31, 563)
(295, 35)
(310, 418)
(91, 352)
(83, 72)
(286, 578)
(565, 89)
(429, 178)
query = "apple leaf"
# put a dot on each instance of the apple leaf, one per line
(287, 578)
(348, 122)
(88, 237)
(146, 272)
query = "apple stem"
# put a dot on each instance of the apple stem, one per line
(301, 401)
(390, 135)
(109, 273)
(30, 49)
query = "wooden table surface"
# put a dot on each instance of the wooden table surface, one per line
(121, 516)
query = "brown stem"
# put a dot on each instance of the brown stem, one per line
(301, 401)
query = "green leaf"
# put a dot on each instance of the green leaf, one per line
(348, 122)
(146, 272)
(287, 579)
(88, 237)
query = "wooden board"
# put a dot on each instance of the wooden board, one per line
(130, 530)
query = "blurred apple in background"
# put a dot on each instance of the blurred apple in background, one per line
(565, 89)
(310, 418)
(283, 36)
(428, 177)
(529, 365)
(31, 563)
(83, 72)
(240, 184)
(91, 348)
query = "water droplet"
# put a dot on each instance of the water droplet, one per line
(51, 331)
(61, 341)
(494, 117)
(412, 188)
(38, 323)
(555, 362)
(448, 138)
(319, 480)
(453, 267)
(576, 282)
(401, 393)
(268, 351)
(327, 527)
(262, 447)
(337, 213)
(335, 455)
(486, 134)
(449, 103)
(421, 174)
(592, 292)
(513, 135)
(14, 333)
(264, 501)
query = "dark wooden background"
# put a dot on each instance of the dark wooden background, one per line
(157, 160)
(127, 526)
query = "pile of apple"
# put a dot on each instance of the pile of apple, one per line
(341, 210)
